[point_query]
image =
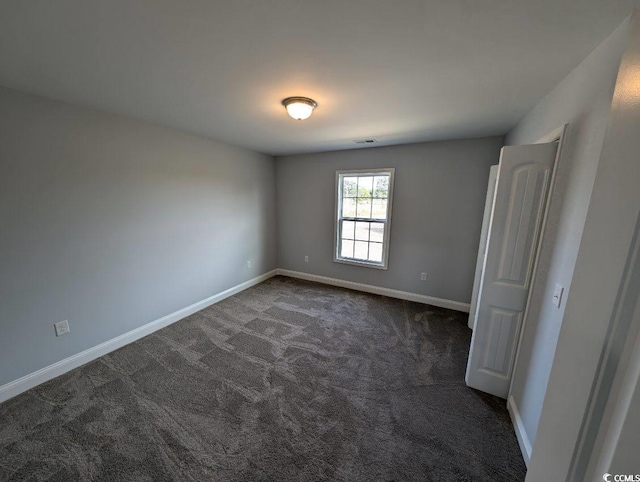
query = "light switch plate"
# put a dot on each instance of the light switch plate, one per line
(557, 295)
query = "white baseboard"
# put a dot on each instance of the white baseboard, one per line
(521, 433)
(27, 382)
(403, 295)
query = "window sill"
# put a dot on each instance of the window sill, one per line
(363, 264)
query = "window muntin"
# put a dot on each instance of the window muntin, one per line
(363, 217)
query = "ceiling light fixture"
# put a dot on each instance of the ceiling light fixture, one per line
(300, 108)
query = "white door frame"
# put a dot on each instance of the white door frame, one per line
(617, 384)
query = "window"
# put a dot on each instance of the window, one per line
(363, 218)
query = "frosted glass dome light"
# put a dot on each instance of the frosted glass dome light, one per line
(300, 108)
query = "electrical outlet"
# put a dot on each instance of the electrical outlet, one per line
(62, 328)
(248, 264)
(423, 276)
(306, 259)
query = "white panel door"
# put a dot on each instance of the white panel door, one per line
(482, 248)
(524, 178)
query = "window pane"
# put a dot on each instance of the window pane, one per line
(361, 250)
(379, 210)
(364, 208)
(346, 249)
(381, 186)
(348, 208)
(349, 186)
(375, 252)
(377, 232)
(362, 231)
(365, 186)
(348, 229)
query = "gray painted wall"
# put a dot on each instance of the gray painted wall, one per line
(582, 100)
(111, 223)
(599, 318)
(439, 195)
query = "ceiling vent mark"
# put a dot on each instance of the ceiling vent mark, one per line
(364, 141)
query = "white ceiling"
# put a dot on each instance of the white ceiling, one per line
(394, 70)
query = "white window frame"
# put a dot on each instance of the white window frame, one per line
(338, 217)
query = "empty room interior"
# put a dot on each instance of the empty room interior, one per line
(299, 240)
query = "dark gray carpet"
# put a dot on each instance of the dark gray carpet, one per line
(287, 381)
